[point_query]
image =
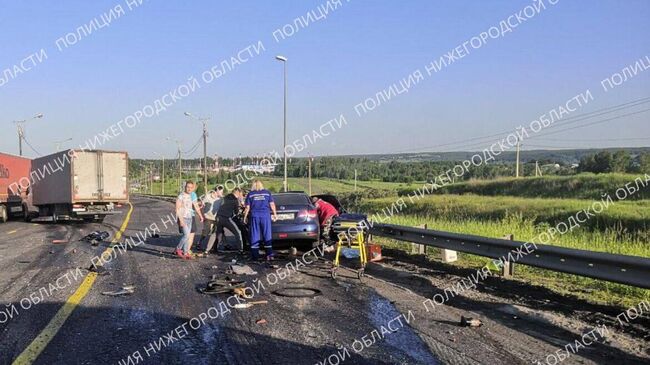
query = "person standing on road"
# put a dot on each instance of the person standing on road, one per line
(186, 206)
(225, 219)
(211, 204)
(259, 203)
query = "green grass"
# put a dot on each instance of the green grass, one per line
(593, 290)
(582, 186)
(621, 217)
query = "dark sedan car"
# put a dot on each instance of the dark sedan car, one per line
(297, 218)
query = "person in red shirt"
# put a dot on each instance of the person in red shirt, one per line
(326, 212)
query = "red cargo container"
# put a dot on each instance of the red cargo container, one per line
(14, 186)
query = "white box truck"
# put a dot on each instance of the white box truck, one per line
(80, 184)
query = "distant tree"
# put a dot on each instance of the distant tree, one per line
(621, 161)
(644, 163)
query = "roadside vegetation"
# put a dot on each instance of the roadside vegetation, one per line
(581, 186)
(523, 230)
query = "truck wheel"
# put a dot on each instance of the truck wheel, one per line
(3, 214)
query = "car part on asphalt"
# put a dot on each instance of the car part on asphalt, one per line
(96, 237)
(241, 293)
(249, 304)
(241, 270)
(221, 286)
(126, 290)
(470, 322)
(297, 292)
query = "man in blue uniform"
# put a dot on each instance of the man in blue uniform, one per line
(259, 203)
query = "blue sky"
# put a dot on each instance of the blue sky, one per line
(335, 63)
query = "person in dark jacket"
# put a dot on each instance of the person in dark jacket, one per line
(230, 207)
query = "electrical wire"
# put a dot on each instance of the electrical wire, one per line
(570, 120)
(194, 148)
(30, 146)
(590, 124)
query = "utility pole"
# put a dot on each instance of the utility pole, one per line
(180, 169)
(355, 179)
(151, 179)
(163, 175)
(309, 162)
(21, 131)
(538, 171)
(518, 150)
(204, 121)
(205, 156)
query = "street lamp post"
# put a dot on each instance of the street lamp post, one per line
(58, 143)
(21, 131)
(284, 144)
(205, 147)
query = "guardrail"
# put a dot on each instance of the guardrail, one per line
(630, 270)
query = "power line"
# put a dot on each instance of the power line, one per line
(194, 148)
(569, 120)
(595, 140)
(482, 144)
(30, 146)
(592, 123)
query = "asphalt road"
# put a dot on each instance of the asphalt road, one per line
(351, 322)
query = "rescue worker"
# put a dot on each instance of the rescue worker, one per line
(326, 213)
(259, 203)
(230, 207)
(211, 204)
(186, 206)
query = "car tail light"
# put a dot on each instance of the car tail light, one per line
(283, 235)
(308, 214)
(77, 206)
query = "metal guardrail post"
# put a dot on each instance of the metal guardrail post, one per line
(623, 269)
(508, 268)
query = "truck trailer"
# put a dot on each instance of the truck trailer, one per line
(14, 186)
(80, 184)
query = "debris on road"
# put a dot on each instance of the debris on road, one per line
(59, 241)
(97, 235)
(126, 290)
(221, 286)
(470, 322)
(249, 304)
(241, 293)
(297, 292)
(261, 321)
(241, 270)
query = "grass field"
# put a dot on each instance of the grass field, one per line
(582, 186)
(623, 216)
(523, 230)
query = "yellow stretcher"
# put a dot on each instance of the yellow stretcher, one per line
(354, 241)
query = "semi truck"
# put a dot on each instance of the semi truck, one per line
(14, 186)
(80, 184)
